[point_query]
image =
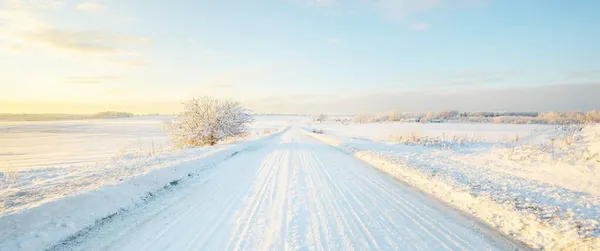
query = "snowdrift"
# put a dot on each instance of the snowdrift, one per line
(542, 212)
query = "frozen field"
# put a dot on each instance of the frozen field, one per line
(45, 161)
(475, 132)
(539, 184)
(287, 192)
(52, 144)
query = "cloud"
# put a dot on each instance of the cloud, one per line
(21, 26)
(12, 47)
(129, 19)
(451, 84)
(314, 2)
(114, 91)
(211, 51)
(128, 62)
(583, 74)
(231, 78)
(91, 80)
(420, 26)
(483, 76)
(398, 9)
(222, 86)
(91, 7)
(295, 99)
(401, 8)
(333, 40)
(95, 42)
(563, 97)
(217, 86)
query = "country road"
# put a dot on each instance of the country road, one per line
(294, 193)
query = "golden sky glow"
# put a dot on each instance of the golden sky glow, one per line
(60, 56)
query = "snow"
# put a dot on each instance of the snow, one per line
(207, 121)
(548, 200)
(52, 144)
(292, 193)
(42, 162)
(99, 182)
(387, 131)
(46, 223)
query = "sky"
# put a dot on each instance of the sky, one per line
(299, 56)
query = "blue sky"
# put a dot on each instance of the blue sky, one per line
(295, 56)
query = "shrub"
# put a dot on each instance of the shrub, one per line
(207, 121)
(319, 118)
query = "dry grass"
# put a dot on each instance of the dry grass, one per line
(443, 141)
(571, 144)
(9, 174)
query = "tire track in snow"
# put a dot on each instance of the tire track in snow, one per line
(264, 179)
(294, 194)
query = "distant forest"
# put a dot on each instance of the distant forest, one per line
(56, 117)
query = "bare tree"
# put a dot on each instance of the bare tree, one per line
(206, 121)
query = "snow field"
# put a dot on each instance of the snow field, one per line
(45, 161)
(294, 193)
(540, 211)
(40, 227)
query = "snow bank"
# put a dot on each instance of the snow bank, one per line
(490, 133)
(536, 212)
(40, 227)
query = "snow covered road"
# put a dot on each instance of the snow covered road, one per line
(294, 193)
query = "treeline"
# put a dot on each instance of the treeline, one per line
(111, 114)
(60, 117)
(573, 117)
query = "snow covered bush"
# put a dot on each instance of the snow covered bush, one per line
(567, 144)
(9, 175)
(445, 141)
(206, 121)
(319, 118)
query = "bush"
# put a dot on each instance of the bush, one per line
(319, 118)
(207, 121)
(555, 118)
(111, 114)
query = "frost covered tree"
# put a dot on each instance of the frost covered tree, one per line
(320, 118)
(206, 121)
(394, 116)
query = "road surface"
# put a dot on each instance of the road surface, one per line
(294, 193)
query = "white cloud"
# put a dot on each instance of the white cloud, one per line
(91, 42)
(91, 80)
(586, 74)
(539, 98)
(91, 7)
(211, 51)
(402, 8)
(314, 2)
(21, 27)
(420, 26)
(399, 9)
(131, 62)
(333, 40)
